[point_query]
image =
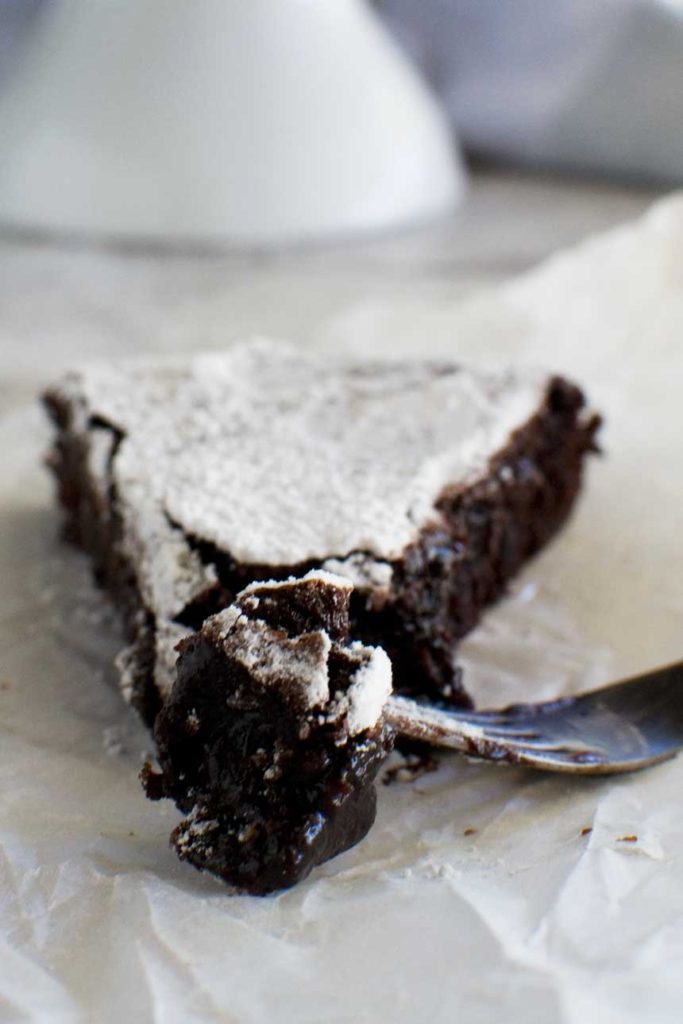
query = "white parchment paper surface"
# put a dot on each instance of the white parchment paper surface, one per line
(480, 895)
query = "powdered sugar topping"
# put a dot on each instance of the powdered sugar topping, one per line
(279, 458)
(364, 701)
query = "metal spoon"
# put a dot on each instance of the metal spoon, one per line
(618, 728)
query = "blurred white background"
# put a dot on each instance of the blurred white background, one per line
(584, 85)
(569, 113)
(256, 122)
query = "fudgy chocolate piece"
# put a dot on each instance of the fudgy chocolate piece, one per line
(272, 735)
(426, 485)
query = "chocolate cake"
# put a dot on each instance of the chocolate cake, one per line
(426, 485)
(273, 733)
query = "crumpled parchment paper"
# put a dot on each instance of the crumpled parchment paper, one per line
(480, 895)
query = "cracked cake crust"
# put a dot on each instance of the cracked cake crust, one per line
(491, 508)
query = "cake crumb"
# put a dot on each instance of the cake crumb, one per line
(628, 839)
(192, 723)
(469, 832)
(410, 767)
(587, 830)
(114, 740)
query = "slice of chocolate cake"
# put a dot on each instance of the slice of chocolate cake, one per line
(426, 485)
(272, 735)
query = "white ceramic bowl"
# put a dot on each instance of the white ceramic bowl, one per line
(242, 121)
